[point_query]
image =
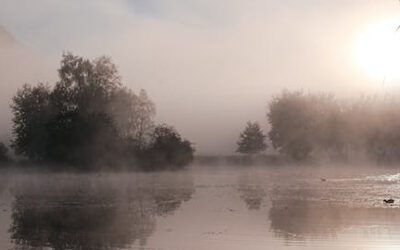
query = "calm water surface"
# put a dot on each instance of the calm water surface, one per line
(202, 208)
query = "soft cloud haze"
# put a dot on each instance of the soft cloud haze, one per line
(209, 65)
(18, 65)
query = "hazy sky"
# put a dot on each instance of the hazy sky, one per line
(210, 65)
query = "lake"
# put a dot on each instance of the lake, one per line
(203, 208)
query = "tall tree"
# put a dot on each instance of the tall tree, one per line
(252, 139)
(145, 112)
(32, 110)
(3, 153)
(85, 86)
(89, 119)
(305, 125)
(291, 117)
(133, 115)
(78, 121)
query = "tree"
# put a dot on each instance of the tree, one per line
(90, 119)
(65, 124)
(145, 112)
(252, 139)
(291, 117)
(84, 119)
(32, 110)
(82, 140)
(318, 125)
(85, 86)
(167, 149)
(3, 153)
(133, 115)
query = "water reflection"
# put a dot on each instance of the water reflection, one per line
(232, 209)
(251, 192)
(301, 218)
(94, 214)
(296, 219)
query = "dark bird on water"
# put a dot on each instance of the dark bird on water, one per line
(389, 201)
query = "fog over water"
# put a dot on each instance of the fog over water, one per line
(208, 65)
(202, 208)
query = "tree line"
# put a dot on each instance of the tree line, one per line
(89, 119)
(307, 126)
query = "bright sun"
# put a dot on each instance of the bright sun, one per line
(378, 50)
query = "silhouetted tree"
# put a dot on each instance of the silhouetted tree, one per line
(85, 86)
(70, 123)
(3, 153)
(32, 110)
(82, 140)
(89, 119)
(252, 139)
(167, 149)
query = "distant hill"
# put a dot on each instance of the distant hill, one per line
(6, 38)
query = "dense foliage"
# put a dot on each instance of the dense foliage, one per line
(316, 125)
(87, 119)
(4, 158)
(252, 139)
(166, 149)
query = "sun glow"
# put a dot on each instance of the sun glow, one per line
(378, 50)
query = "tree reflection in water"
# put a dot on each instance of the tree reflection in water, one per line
(251, 192)
(94, 215)
(298, 217)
